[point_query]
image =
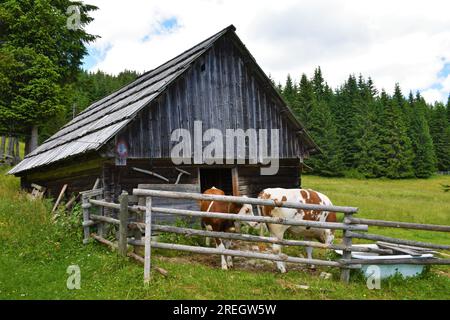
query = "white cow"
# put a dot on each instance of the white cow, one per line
(301, 196)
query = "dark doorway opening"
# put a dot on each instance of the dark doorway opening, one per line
(220, 178)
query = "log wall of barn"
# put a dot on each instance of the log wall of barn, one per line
(79, 174)
(251, 182)
(118, 178)
(223, 92)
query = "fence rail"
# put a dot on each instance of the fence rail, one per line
(404, 225)
(348, 226)
(241, 200)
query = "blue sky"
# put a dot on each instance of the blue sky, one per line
(94, 56)
(394, 41)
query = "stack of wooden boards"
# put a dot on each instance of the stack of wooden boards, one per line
(404, 249)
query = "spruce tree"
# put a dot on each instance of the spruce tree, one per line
(440, 132)
(369, 141)
(424, 162)
(347, 112)
(395, 154)
(289, 93)
(305, 101)
(322, 128)
(402, 104)
(318, 85)
(323, 131)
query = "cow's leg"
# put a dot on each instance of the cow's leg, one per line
(280, 264)
(309, 251)
(220, 245)
(208, 239)
(278, 232)
(227, 244)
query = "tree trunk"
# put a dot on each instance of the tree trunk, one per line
(31, 141)
(17, 152)
(34, 138)
(9, 151)
(2, 147)
(12, 142)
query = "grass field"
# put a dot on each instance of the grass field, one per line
(35, 253)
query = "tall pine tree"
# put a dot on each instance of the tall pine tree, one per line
(305, 101)
(322, 127)
(396, 154)
(368, 155)
(347, 113)
(424, 162)
(440, 132)
(323, 131)
(289, 93)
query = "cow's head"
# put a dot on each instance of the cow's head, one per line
(247, 210)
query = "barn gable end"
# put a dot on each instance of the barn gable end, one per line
(223, 90)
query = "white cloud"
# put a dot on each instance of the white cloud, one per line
(391, 41)
(434, 95)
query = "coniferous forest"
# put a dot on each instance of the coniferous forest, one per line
(364, 132)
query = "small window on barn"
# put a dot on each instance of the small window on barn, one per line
(202, 67)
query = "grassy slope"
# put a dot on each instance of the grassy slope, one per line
(35, 253)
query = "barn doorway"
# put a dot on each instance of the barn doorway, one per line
(220, 178)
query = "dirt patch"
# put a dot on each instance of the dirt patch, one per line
(240, 263)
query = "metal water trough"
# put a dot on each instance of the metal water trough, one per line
(389, 270)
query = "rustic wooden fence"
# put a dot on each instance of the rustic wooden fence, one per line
(130, 230)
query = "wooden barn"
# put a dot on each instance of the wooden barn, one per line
(125, 138)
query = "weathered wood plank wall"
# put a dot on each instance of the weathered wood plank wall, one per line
(79, 174)
(251, 183)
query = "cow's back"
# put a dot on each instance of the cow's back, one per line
(205, 204)
(306, 196)
(216, 224)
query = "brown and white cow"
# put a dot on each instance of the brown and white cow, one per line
(301, 196)
(221, 225)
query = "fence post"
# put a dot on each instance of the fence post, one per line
(148, 238)
(85, 205)
(107, 212)
(101, 226)
(346, 254)
(123, 226)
